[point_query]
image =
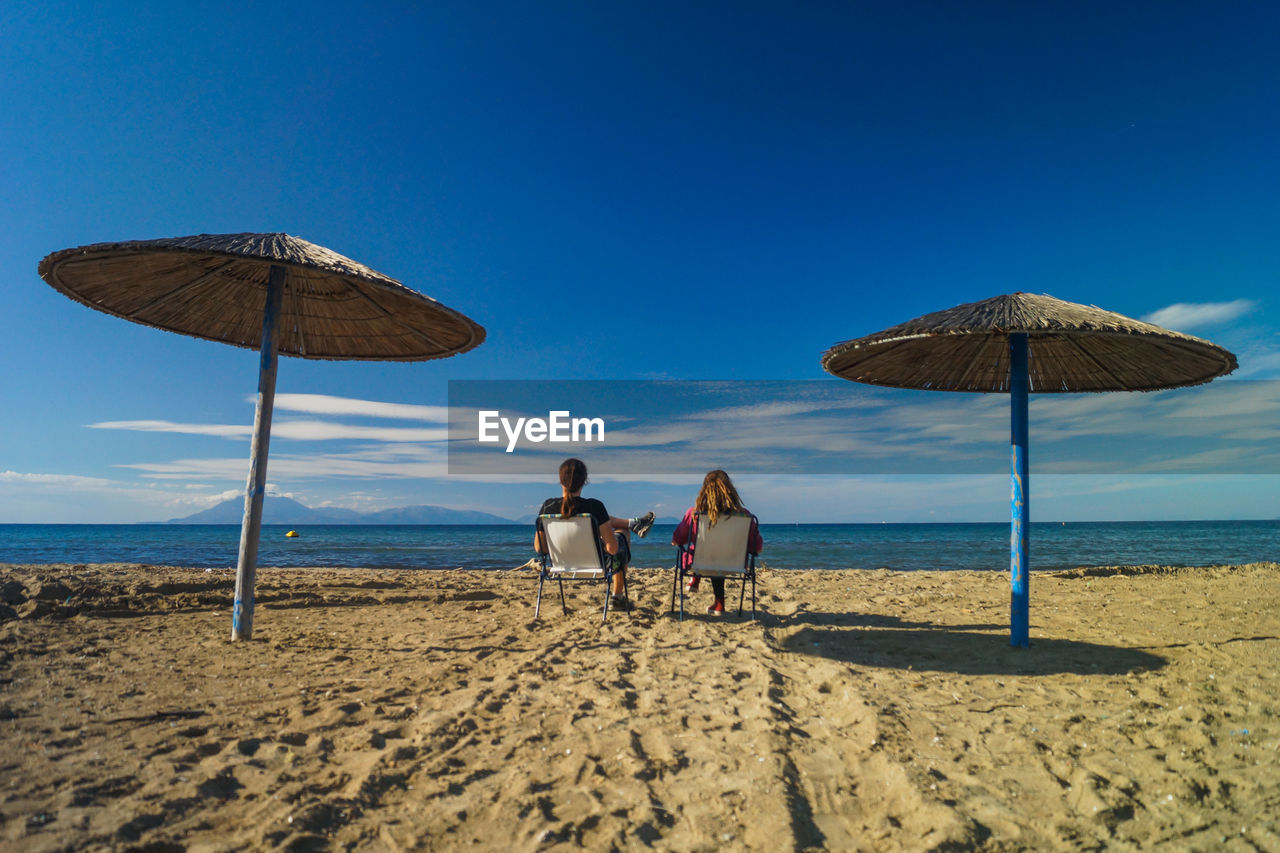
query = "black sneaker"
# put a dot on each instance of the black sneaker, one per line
(640, 526)
(618, 602)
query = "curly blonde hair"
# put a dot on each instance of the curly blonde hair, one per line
(717, 497)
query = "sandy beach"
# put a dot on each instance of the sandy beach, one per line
(862, 710)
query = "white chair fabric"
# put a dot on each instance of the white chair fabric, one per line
(573, 552)
(574, 547)
(721, 551)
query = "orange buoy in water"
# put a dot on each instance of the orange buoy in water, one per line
(291, 534)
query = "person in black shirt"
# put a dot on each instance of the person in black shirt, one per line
(614, 532)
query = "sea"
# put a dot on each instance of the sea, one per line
(899, 547)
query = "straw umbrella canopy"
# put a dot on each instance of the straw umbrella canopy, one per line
(1021, 343)
(271, 292)
(213, 286)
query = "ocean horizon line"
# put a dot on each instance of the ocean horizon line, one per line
(659, 522)
(806, 545)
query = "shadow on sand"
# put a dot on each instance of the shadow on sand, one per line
(960, 649)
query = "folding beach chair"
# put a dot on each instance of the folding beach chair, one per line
(573, 552)
(720, 551)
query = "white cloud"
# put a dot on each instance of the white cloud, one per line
(314, 430)
(785, 408)
(1189, 315)
(693, 481)
(323, 431)
(296, 430)
(44, 498)
(323, 404)
(219, 430)
(297, 467)
(185, 469)
(872, 499)
(1243, 460)
(70, 481)
(1258, 362)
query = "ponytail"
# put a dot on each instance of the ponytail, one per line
(573, 476)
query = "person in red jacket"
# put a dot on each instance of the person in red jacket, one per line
(716, 499)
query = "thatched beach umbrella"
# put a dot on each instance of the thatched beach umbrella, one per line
(1024, 343)
(270, 292)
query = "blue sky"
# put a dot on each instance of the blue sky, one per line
(621, 191)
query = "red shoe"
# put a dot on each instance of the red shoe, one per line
(692, 586)
(716, 609)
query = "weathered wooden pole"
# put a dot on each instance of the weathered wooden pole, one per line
(255, 489)
(1020, 499)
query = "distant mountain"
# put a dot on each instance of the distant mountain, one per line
(275, 510)
(427, 514)
(279, 510)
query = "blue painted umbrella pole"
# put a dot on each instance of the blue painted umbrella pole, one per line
(1020, 498)
(255, 490)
